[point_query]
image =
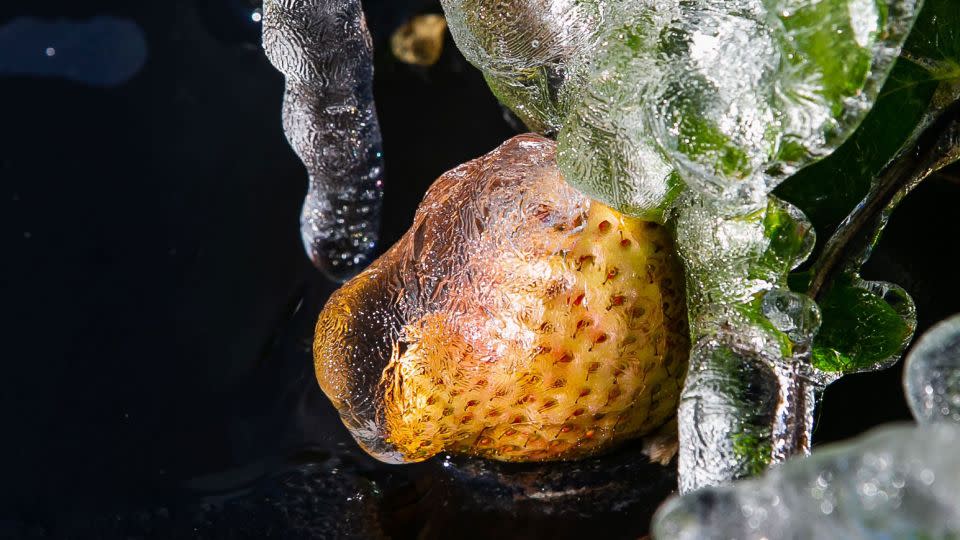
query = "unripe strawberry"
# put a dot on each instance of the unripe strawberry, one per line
(517, 320)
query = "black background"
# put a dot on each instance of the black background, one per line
(157, 302)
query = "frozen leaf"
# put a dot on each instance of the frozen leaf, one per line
(911, 133)
(866, 326)
(749, 92)
(829, 190)
(736, 95)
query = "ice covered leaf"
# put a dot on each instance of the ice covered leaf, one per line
(324, 50)
(516, 320)
(911, 133)
(932, 374)
(735, 95)
(866, 326)
(829, 190)
(898, 482)
(748, 92)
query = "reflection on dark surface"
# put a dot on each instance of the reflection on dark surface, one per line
(102, 51)
(157, 379)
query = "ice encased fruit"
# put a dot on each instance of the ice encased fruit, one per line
(516, 320)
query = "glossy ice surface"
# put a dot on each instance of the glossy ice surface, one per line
(932, 374)
(324, 50)
(734, 95)
(516, 320)
(749, 398)
(693, 111)
(898, 482)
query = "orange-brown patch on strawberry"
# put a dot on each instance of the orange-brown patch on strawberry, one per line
(595, 352)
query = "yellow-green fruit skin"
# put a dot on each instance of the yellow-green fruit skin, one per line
(555, 330)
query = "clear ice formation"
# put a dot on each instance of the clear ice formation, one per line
(525, 49)
(932, 374)
(324, 50)
(734, 95)
(692, 111)
(896, 482)
(516, 320)
(750, 390)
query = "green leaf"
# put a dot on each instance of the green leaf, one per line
(866, 326)
(830, 189)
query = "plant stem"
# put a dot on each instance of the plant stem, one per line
(935, 145)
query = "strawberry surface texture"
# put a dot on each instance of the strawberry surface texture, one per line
(516, 320)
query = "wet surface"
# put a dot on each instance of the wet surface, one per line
(157, 379)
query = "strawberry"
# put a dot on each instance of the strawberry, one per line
(556, 329)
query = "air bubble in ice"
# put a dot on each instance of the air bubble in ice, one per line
(796, 315)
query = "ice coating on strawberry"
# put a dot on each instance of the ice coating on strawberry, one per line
(517, 320)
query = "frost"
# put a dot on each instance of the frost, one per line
(897, 482)
(324, 50)
(932, 374)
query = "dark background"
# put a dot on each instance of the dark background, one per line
(158, 306)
